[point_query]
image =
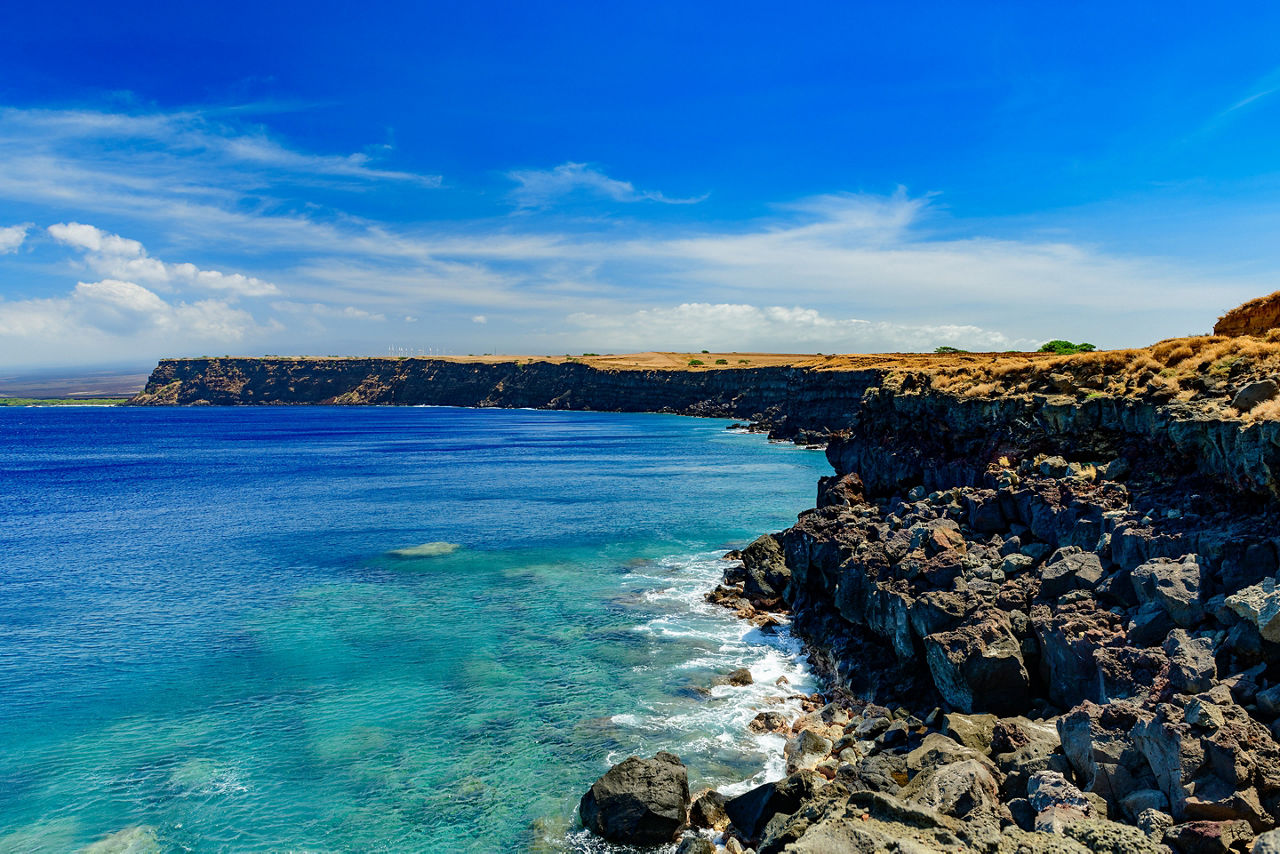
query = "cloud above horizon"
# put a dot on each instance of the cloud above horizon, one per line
(117, 257)
(834, 271)
(689, 327)
(543, 187)
(12, 238)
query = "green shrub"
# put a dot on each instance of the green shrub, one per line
(947, 349)
(722, 361)
(744, 361)
(695, 362)
(706, 351)
(1066, 348)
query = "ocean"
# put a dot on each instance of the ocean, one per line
(371, 629)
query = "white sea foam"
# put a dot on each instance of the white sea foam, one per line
(712, 736)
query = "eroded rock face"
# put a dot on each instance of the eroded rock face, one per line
(979, 666)
(639, 801)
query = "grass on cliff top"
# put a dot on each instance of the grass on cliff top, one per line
(62, 401)
(1205, 369)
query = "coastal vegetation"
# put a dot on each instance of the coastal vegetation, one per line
(62, 401)
(1065, 348)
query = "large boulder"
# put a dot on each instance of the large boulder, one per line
(1212, 760)
(639, 801)
(806, 749)
(1070, 571)
(959, 789)
(767, 575)
(1260, 605)
(1174, 585)
(979, 667)
(1096, 740)
(751, 811)
(1192, 668)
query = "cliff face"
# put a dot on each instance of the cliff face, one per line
(1256, 317)
(800, 398)
(891, 427)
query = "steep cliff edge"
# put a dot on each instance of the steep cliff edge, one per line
(915, 416)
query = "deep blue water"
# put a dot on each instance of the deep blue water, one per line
(208, 644)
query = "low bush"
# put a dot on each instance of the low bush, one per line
(1066, 348)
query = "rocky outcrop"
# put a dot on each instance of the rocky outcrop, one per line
(1255, 317)
(639, 801)
(1080, 643)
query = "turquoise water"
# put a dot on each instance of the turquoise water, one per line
(208, 641)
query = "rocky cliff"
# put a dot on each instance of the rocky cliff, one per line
(923, 433)
(1044, 594)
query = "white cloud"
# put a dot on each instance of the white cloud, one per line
(740, 327)
(479, 318)
(197, 185)
(317, 309)
(97, 313)
(156, 148)
(12, 237)
(119, 258)
(541, 187)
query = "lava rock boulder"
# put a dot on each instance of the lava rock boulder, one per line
(639, 801)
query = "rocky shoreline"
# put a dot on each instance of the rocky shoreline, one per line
(1033, 641)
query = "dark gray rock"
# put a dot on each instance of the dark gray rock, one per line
(1253, 394)
(696, 845)
(1174, 585)
(1050, 789)
(1150, 625)
(979, 667)
(638, 801)
(1192, 668)
(767, 575)
(1210, 837)
(1096, 740)
(751, 811)
(1267, 843)
(1079, 571)
(707, 811)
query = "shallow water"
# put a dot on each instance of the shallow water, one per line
(375, 629)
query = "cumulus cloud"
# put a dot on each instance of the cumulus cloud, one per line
(743, 327)
(120, 258)
(12, 238)
(479, 318)
(542, 187)
(112, 308)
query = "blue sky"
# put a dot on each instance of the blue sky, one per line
(551, 178)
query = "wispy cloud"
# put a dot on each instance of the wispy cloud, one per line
(833, 271)
(540, 188)
(153, 142)
(1267, 85)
